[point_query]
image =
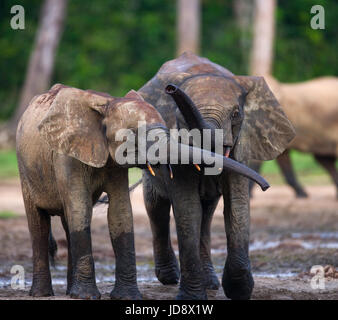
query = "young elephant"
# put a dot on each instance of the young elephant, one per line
(66, 146)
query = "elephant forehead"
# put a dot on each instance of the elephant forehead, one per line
(212, 91)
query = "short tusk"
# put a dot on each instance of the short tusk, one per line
(171, 171)
(150, 169)
(197, 167)
(227, 152)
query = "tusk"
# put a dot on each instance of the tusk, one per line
(227, 152)
(150, 169)
(197, 167)
(171, 171)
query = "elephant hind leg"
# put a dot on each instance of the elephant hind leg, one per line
(208, 207)
(39, 227)
(329, 163)
(285, 165)
(158, 210)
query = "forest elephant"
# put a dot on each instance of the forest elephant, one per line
(69, 149)
(203, 95)
(312, 107)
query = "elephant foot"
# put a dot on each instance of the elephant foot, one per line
(185, 294)
(41, 289)
(84, 291)
(301, 194)
(121, 292)
(237, 285)
(211, 279)
(168, 273)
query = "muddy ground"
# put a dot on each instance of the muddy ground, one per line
(288, 237)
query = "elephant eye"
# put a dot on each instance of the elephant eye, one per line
(235, 115)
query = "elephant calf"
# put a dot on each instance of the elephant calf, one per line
(66, 149)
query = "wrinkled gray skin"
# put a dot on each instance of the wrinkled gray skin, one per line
(66, 147)
(255, 127)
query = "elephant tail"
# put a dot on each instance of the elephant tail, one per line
(52, 248)
(104, 199)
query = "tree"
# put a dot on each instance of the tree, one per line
(41, 62)
(263, 37)
(188, 26)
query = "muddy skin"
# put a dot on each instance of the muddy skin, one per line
(125, 283)
(63, 172)
(254, 126)
(83, 284)
(166, 265)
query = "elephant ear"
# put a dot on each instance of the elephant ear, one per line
(73, 126)
(265, 131)
(132, 94)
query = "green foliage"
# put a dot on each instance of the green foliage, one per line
(7, 215)
(118, 45)
(8, 164)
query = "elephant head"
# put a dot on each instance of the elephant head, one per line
(210, 97)
(86, 124)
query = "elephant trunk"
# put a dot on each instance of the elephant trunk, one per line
(183, 153)
(209, 158)
(188, 109)
(190, 112)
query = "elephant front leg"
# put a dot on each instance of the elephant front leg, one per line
(78, 213)
(120, 223)
(211, 279)
(188, 215)
(237, 279)
(158, 210)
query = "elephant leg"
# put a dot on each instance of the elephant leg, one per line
(120, 224)
(256, 166)
(187, 209)
(329, 163)
(69, 264)
(158, 210)
(208, 207)
(285, 165)
(237, 279)
(73, 181)
(39, 228)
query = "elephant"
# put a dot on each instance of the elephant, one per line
(312, 107)
(203, 95)
(67, 149)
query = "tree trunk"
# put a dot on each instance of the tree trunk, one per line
(41, 63)
(243, 13)
(188, 26)
(263, 37)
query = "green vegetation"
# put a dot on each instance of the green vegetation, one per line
(8, 164)
(118, 45)
(7, 215)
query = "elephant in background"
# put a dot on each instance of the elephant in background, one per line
(254, 127)
(67, 147)
(312, 107)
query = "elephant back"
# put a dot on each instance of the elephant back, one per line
(177, 71)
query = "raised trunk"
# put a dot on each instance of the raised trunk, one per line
(188, 109)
